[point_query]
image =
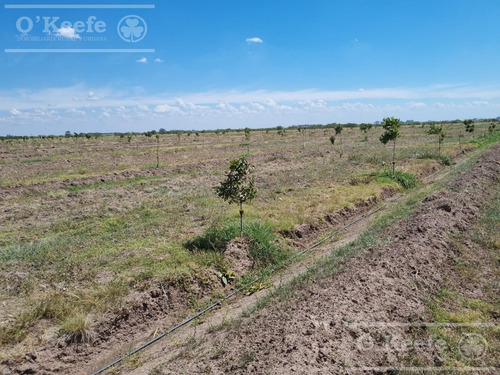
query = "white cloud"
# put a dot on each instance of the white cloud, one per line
(158, 60)
(142, 60)
(93, 97)
(67, 32)
(258, 106)
(15, 112)
(227, 108)
(23, 109)
(165, 108)
(417, 105)
(76, 111)
(479, 103)
(254, 40)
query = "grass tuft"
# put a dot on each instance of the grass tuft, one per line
(78, 329)
(264, 246)
(405, 179)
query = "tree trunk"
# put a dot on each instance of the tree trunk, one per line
(157, 152)
(393, 157)
(241, 219)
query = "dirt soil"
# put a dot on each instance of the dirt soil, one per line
(150, 312)
(318, 334)
(329, 328)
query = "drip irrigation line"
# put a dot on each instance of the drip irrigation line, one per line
(246, 286)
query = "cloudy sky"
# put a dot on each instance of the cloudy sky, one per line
(219, 64)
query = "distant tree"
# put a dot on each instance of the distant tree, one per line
(303, 131)
(339, 149)
(391, 126)
(338, 131)
(247, 138)
(492, 127)
(88, 135)
(469, 126)
(364, 128)
(67, 134)
(437, 130)
(157, 151)
(238, 187)
(162, 131)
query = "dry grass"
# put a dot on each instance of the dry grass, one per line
(87, 220)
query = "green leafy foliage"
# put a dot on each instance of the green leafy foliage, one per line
(255, 287)
(364, 128)
(225, 275)
(391, 126)
(406, 180)
(338, 129)
(444, 159)
(238, 187)
(469, 126)
(437, 130)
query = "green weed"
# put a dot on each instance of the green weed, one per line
(405, 179)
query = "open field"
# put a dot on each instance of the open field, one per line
(417, 292)
(90, 226)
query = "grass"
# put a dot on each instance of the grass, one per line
(405, 179)
(78, 329)
(63, 235)
(264, 247)
(444, 159)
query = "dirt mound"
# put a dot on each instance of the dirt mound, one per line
(237, 254)
(303, 234)
(143, 314)
(334, 325)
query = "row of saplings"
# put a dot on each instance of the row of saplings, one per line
(239, 186)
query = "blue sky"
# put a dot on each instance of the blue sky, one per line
(220, 64)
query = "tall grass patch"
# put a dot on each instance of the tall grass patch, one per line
(264, 247)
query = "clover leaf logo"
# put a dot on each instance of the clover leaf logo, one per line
(132, 29)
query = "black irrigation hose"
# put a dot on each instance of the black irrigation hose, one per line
(246, 286)
(233, 293)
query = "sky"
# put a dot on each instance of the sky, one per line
(197, 64)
